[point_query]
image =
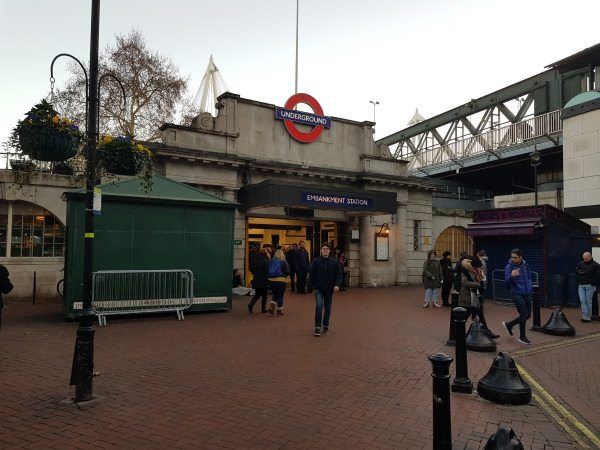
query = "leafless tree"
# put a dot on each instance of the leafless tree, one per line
(154, 87)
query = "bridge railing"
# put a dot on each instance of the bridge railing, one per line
(488, 141)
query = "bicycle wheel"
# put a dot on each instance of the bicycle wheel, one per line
(60, 286)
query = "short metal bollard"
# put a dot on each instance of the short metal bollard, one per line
(595, 315)
(537, 324)
(453, 304)
(461, 382)
(442, 429)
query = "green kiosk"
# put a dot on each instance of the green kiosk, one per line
(172, 227)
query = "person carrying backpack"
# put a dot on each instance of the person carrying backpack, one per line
(277, 273)
(5, 287)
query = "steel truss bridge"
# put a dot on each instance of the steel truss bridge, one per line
(507, 123)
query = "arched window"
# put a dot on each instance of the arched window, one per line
(453, 239)
(28, 230)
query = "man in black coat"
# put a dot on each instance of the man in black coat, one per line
(302, 266)
(325, 279)
(290, 257)
(259, 269)
(448, 276)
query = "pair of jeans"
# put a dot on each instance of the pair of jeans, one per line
(278, 289)
(262, 294)
(323, 299)
(523, 304)
(586, 293)
(431, 295)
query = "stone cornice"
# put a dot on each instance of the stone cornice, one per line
(210, 157)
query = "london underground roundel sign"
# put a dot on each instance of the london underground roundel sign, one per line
(290, 117)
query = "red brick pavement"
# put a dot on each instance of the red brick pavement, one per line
(234, 380)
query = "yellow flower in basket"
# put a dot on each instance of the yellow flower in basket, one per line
(55, 119)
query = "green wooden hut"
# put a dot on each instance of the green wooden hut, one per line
(174, 226)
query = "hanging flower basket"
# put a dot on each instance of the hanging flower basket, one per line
(122, 156)
(48, 144)
(21, 165)
(45, 136)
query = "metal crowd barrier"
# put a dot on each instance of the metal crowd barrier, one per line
(141, 291)
(499, 289)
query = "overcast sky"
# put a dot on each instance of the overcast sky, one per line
(429, 54)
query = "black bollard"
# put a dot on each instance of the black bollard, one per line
(453, 304)
(537, 324)
(504, 439)
(461, 381)
(503, 383)
(595, 315)
(442, 430)
(558, 325)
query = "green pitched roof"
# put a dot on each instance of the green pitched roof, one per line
(582, 98)
(163, 189)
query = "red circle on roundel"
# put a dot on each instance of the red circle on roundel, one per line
(309, 100)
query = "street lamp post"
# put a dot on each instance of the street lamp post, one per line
(536, 159)
(82, 370)
(374, 103)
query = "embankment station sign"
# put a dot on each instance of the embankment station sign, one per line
(290, 117)
(349, 201)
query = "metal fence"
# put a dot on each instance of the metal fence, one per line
(141, 291)
(500, 291)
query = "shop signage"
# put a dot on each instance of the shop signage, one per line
(237, 242)
(290, 117)
(346, 201)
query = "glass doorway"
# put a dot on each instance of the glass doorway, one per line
(272, 233)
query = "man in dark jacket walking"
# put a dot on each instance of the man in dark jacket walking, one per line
(259, 269)
(302, 266)
(517, 276)
(588, 276)
(325, 279)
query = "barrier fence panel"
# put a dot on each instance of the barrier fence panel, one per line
(141, 291)
(500, 291)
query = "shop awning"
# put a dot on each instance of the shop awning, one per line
(505, 228)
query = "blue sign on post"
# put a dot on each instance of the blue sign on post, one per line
(302, 117)
(341, 200)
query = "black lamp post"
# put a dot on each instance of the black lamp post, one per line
(82, 369)
(536, 159)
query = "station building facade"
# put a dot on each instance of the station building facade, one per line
(341, 187)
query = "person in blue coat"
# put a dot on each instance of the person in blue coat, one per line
(517, 276)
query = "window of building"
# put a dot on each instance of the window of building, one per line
(416, 235)
(455, 240)
(27, 230)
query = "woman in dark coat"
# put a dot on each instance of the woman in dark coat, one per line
(259, 269)
(432, 279)
(448, 276)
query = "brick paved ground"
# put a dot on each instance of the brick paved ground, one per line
(234, 380)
